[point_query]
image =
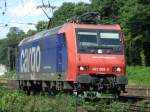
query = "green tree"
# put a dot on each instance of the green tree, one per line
(134, 18)
(108, 9)
(69, 10)
(81, 8)
(66, 11)
(8, 46)
(31, 32)
(41, 25)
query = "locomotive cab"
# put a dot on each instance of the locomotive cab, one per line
(100, 57)
(100, 46)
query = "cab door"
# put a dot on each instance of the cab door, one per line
(62, 56)
(59, 53)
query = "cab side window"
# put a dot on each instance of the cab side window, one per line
(63, 40)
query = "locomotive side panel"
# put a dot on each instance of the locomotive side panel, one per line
(38, 60)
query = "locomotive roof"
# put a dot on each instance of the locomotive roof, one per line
(40, 35)
(57, 29)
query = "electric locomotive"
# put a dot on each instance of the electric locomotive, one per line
(73, 56)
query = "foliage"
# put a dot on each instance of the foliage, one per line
(14, 36)
(132, 15)
(17, 101)
(31, 32)
(138, 75)
(9, 75)
(134, 18)
(63, 13)
(108, 9)
(42, 25)
(69, 10)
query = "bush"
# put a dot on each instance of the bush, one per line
(9, 75)
(17, 101)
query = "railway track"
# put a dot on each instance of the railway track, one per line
(8, 83)
(138, 90)
(137, 99)
(125, 106)
(143, 107)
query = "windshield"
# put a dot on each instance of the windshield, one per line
(97, 41)
(87, 39)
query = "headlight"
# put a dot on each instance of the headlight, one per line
(116, 69)
(83, 68)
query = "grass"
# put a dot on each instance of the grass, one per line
(17, 101)
(138, 75)
(9, 75)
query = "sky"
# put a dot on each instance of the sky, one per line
(18, 13)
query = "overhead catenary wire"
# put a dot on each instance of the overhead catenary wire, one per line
(28, 23)
(26, 15)
(36, 7)
(5, 5)
(7, 24)
(44, 7)
(12, 18)
(9, 21)
(5, 8)
(4, 26)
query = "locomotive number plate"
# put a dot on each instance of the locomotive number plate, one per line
(100, 69)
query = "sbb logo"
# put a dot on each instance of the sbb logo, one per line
(30, 59)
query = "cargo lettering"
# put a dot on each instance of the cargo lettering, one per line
(30, 59)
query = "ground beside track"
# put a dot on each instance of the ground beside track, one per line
(17, 101)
